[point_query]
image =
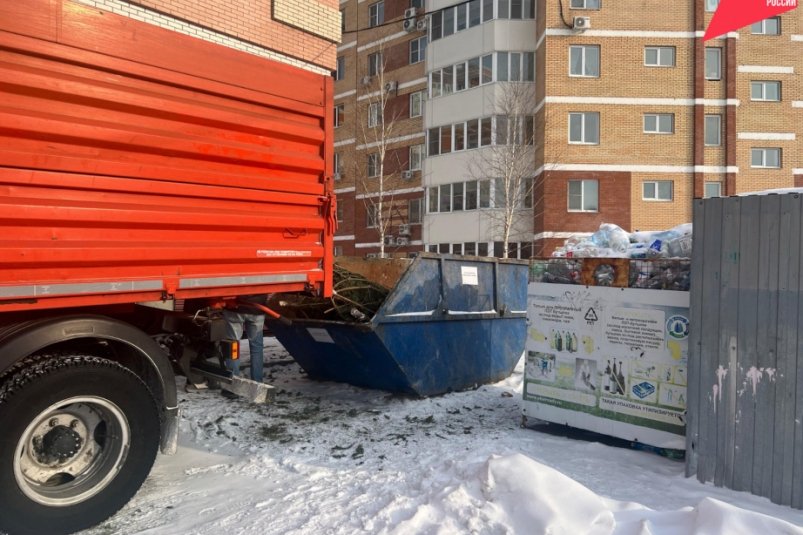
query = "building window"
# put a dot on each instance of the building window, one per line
(414, 211)
(373, 164)
(659, 56)
(342, 21)
(338, 165)
(339, 211)
(584, 128)
(417, 104)
(374, 113)
(711, 5)
(338, 250)
(418, 49)
(657, 190)
(713, 130)
(713, 63)
(371, 216)
(418, 4)
(340, 114)
(374, 63)
(767, 158)
(712, 189)
(770, 26)
(766, 91)
(584, 4)
(376, 14)
(341, 68)
(445, 198)
(583, 195)
(584, 61)
(659, 123)
(416, 157)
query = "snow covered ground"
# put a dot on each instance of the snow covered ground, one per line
(329, 458)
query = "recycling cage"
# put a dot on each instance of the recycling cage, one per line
(450, 323)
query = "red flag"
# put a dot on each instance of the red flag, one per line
(732, 15)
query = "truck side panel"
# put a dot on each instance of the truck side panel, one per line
(136, 162)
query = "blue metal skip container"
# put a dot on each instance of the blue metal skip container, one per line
(450, 323)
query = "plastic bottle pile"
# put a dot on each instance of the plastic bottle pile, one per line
(611, 241)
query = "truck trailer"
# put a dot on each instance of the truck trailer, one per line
(147, 178)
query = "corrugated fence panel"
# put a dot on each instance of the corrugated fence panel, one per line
(745, 374)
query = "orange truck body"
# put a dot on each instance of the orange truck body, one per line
(139, 164)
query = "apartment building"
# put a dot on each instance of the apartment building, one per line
(640, 115)
(380, 89)
(633, 116)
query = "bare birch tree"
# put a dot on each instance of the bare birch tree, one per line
(510, 161)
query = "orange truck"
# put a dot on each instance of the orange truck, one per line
(146, 177)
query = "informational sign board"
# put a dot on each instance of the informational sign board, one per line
(609, 360)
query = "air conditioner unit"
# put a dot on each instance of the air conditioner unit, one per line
(581, 23)
(391, 86)
(410, 12)
(409, 25)
(421, 25)
(406, 175)
(390, 240)
(404, 229)
(401, 240)
(366, 80)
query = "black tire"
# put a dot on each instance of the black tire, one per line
(80, 414)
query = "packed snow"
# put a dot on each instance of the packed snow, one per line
(328, 458)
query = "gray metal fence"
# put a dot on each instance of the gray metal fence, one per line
(745, 406)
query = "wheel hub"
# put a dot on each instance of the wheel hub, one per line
(58, 445)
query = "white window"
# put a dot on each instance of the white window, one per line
(712, 189)
(414, 211)
(374, 63)
(659, 123)
(340, 114)
(338, 165)
(713, 63)
(341, 68)
(338, 250)
(770, 26)
(416, 104)
(584, 128)
(416, 157)
(711, 5)
(371, 216)
(767, 91)
(374, 113)
(417, 4)
(342, 21)
(584, 4)
(657, 190)
(418, 48)
(583, 196)
(659, 56)
(713, 130)
(376, 14)
(768, 158)
(584, 61)
(373, 164)
(339, 211)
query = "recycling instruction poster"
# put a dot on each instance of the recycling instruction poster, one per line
(598, 356)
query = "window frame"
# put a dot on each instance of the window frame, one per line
(711, 5)
(706, 130)
(764, 151)
(374, 113)
(372, 168)
(583, 62)
(718, 51)
(420, 95)
(340, 68)
(656, 195)
(337, 165)
(371, 216)
(764, 84)
(583, 141)
(705, 189)
(420, 51)
(420, 219)
(658, 117)
(572, 4)
(658, 56)
(374, 63)
(339, 115)
(376, 14)
(422, 154)
(763, 26)
(583, 182)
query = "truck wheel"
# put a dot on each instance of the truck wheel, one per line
(79, 436)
